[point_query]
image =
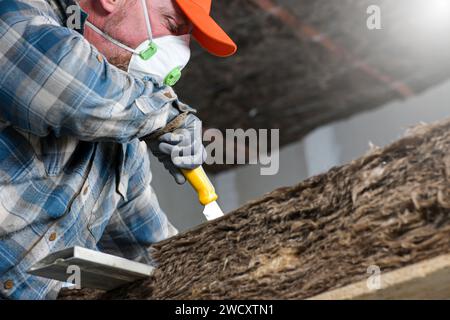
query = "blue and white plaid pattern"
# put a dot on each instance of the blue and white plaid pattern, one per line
(72, 169)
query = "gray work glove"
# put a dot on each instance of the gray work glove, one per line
(181, 149)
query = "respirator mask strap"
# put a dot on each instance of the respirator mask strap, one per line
(145, 54)
(111, 39)
(152, 48)
(175, 74)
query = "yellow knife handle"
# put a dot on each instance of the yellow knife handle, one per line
(201, 183)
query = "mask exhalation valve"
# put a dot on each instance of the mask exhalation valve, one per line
(173, 77)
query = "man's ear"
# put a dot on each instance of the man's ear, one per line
(110, 5)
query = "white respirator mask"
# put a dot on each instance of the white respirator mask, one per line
(162, 58)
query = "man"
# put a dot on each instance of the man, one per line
(73, 167)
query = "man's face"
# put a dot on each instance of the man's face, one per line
(124, 20)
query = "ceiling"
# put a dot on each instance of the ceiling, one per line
(304, 63)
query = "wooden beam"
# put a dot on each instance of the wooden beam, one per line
(429, 279)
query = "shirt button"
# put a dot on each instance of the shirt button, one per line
(100, 58)
(168, 95)
(8, 285)
(52, 236)
(85, 191)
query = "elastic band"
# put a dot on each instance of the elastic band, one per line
(117, 43)
(147, 20)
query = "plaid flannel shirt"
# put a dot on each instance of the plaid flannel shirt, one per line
(72, 169)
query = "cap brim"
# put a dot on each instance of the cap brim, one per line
(206, 31)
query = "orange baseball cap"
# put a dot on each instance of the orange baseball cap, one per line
(206, 31)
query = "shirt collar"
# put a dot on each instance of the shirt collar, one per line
(60, 6)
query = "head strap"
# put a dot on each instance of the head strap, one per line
(147, 20)
(148, 52)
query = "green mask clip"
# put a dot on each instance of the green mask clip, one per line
(173, 77)
(149, 52)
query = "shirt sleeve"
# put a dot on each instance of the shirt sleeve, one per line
(53, 80)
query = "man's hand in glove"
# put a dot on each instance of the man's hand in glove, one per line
(181, 149)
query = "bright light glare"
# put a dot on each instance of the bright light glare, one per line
(420, 26)
(433, 13)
